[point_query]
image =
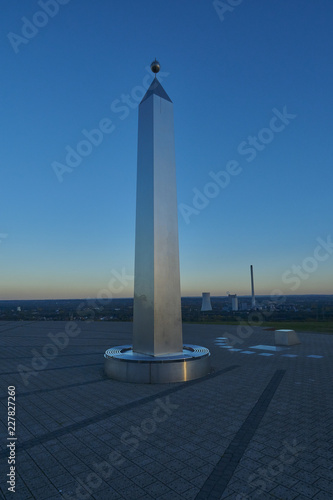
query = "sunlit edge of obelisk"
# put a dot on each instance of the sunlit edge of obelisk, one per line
(164, 362)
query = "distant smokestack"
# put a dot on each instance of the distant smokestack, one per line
(253, 303)
(206, 305)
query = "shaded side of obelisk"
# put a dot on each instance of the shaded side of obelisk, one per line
(157, 325)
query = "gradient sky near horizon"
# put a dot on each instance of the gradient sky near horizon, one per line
(228, 74)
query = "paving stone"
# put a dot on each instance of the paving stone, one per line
(243, 473)
(39, 482)
(323, 495)
(143, 479)
(205, 469)
(167, 476)
(180, 485)
(324, 484)
(171, 496)
(198, 480)
(303, 497)
(142, 461)
(325, 473)
(283, 492)
(132, 491)
(188, 473)
(132, 470)
(45, 492)
(76, 426)
(153, 468)
(323, 462)
(157, 489)
(196, 462)
(287, 481)
(175, 465)
(190, 494)
(306, 489)
(307, 477)
(60, 481)
(108, 494)
(230, 494)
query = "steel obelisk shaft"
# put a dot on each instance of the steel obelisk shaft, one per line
(157, 327)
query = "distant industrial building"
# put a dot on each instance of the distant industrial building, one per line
(234, 302)
(206, 305)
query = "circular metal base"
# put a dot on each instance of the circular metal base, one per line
(121, 363)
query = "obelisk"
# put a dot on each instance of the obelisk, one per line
(157, 325)
(157, 355)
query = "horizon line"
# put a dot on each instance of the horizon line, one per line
(183, 297)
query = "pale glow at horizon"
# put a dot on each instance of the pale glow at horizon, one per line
(258, 191)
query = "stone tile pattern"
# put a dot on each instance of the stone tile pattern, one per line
(86, 437)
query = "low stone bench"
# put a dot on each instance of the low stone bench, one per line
(286, 337)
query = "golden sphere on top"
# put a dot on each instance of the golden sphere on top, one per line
(155, 66)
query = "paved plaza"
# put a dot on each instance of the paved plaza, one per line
(259, 426)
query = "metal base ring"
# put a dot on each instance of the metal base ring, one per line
(122, 364)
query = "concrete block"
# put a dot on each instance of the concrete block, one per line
(286, 337)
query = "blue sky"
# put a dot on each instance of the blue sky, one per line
(229, 72)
